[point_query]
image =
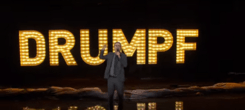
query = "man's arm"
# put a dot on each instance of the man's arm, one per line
(123, 60)
(102, 55)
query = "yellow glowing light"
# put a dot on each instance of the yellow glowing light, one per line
(153, 47)
(58, 108)
(72, 108)
(137, 42)
(97, 107)
(25, 60)
(152, 106)
(178, 105)
(54, 48)
(27, 108)
(115, 107)
(85, 49)
(141, 106)
(182, 46)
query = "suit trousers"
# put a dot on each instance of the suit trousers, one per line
(114, 84)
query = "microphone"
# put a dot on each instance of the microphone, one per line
(118, 51)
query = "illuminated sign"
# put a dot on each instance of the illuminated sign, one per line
(138, 43)
(140, 106)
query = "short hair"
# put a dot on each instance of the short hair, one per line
(119, 43)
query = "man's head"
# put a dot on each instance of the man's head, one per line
(117, 45)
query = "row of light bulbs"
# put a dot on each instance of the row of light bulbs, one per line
(24, 48)
(85, 50)
(154, 47)
(151, 106)
(182, 46)
(140, 106)
(138, 42)
(63, 49)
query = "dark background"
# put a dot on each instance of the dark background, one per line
(219, 44)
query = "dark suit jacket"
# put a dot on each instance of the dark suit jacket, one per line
(119, 67)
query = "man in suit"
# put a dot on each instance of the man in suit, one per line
(114, 73)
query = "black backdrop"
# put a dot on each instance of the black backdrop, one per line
(219, 45)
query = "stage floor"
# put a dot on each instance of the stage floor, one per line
(212, 102)
(130, 83)
(222, 101)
